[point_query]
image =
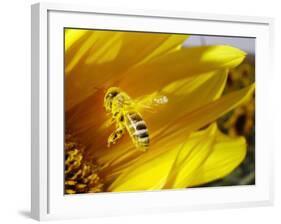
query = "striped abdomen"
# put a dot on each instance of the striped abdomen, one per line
(137, 129)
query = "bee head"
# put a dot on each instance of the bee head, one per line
(111, 93)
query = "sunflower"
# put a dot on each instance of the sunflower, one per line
(177, 90)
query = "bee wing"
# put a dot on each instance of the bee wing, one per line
(151, 102)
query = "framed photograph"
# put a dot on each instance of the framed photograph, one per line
(148, 111)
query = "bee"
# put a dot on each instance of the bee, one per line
(126, 118)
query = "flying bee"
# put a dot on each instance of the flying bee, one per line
(126, 118)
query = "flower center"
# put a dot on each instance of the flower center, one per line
(81, 176)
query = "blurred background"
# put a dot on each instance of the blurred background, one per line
(240, 121)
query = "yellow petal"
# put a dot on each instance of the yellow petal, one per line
(156, 74)
(171, 44)
(228, 153)
(191, 158)
(215, 79)
(206, 114)
(96, 59)
(78, 43)
(149, 175)
(72, 36)
(85, 119)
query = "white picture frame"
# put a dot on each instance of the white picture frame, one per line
(48, 201)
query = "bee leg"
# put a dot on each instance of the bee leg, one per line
(117, 134)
